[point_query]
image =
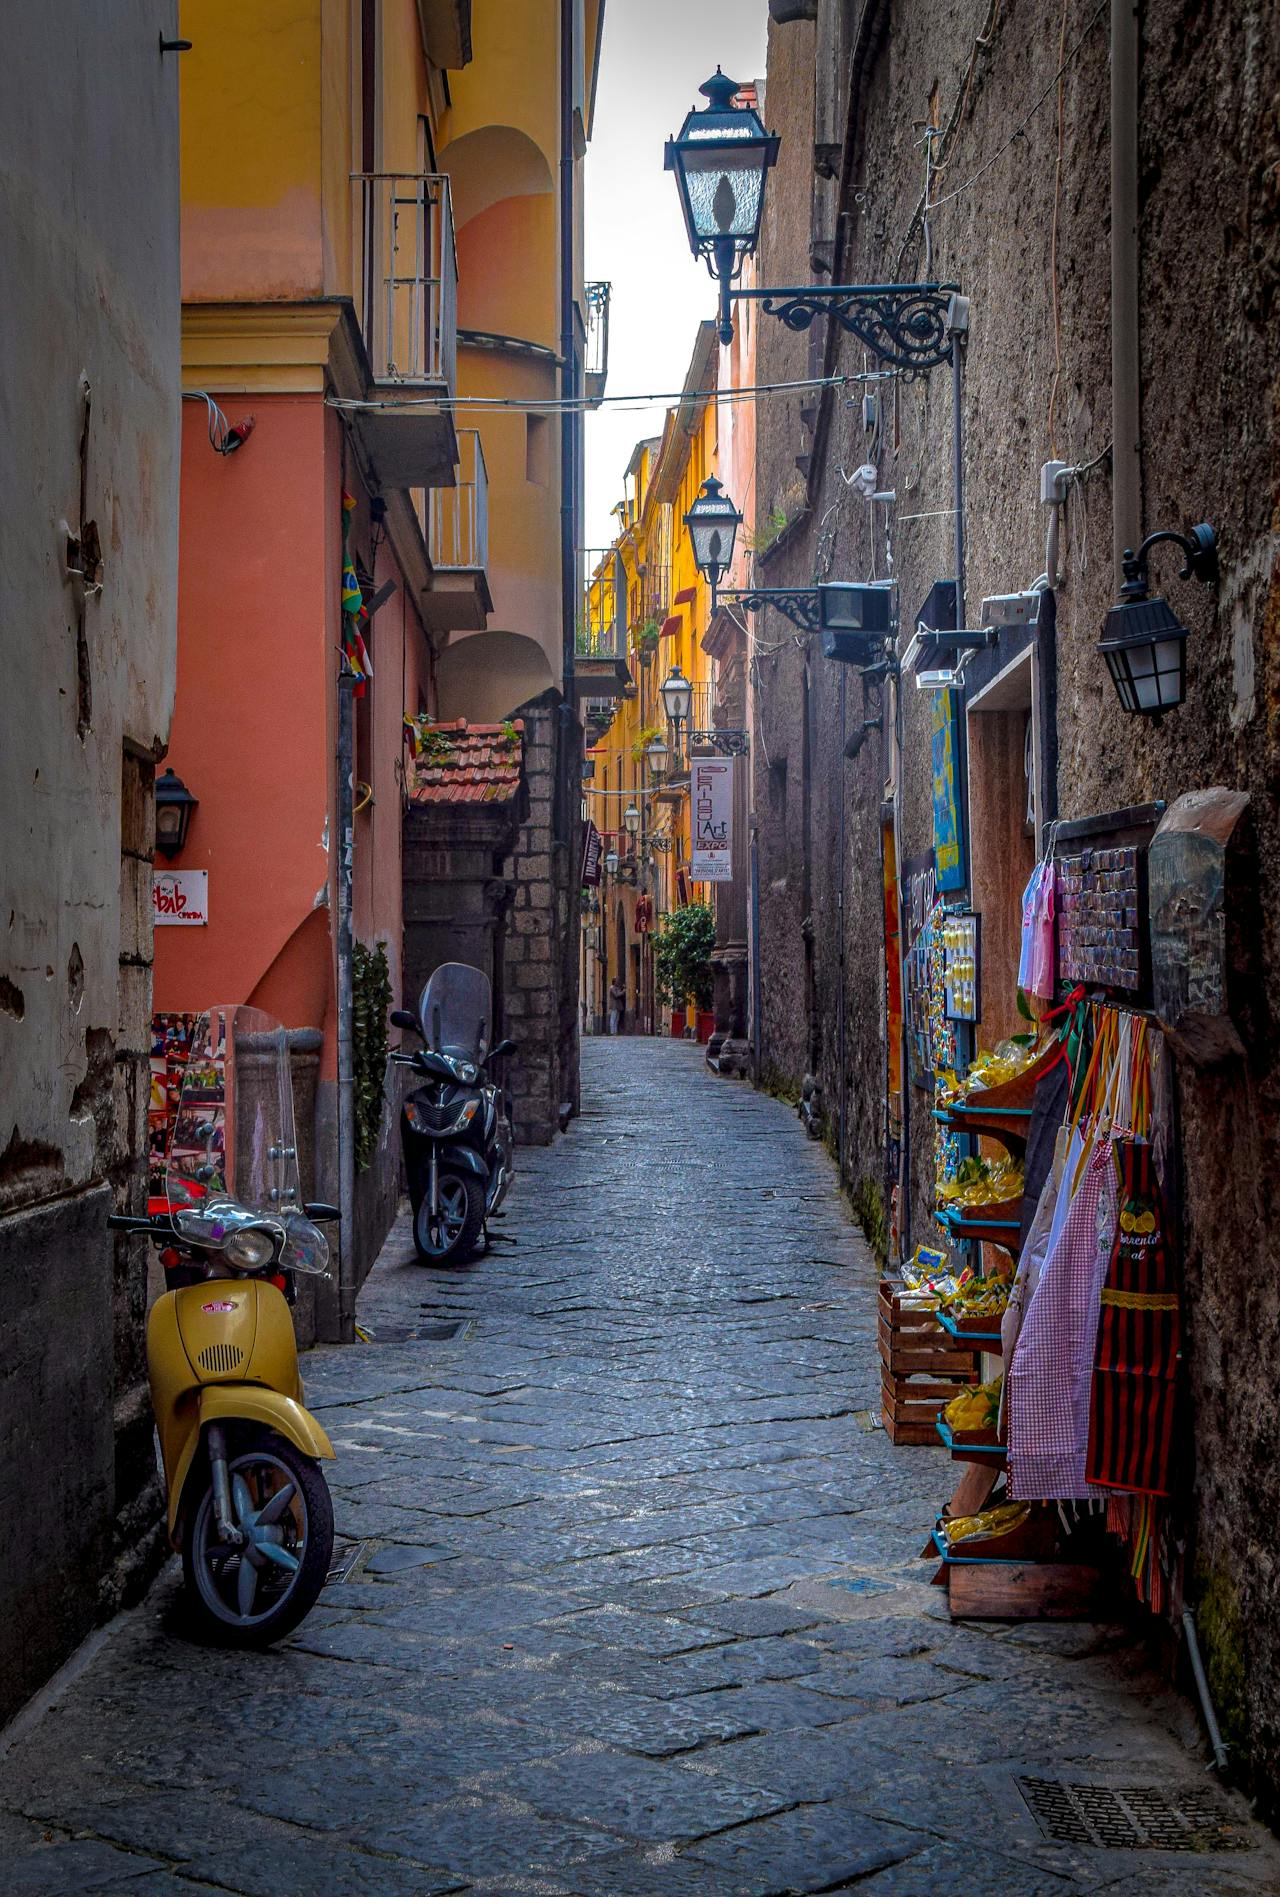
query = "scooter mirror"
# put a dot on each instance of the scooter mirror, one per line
(401, 1018)
(503, 1047)
(321, 1214)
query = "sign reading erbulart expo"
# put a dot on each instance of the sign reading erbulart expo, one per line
(180, 898)
(711, 791)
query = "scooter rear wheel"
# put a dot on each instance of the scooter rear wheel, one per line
(454, 1236)
(254, 1594)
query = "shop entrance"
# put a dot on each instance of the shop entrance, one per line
(1004, 830)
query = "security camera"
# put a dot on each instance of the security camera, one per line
(1011, 609)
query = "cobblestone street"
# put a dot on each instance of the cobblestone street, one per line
(634, 1601)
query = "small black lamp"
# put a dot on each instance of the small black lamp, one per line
(174, 805)
(713, 522)
(1143, 642)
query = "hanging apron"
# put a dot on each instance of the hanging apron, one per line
(1134, 1378)
(1050, 1379)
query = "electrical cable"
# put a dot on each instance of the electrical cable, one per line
(1053, 240)
(555, 405)
(1023, 123)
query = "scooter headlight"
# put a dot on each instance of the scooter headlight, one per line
(250, 1249)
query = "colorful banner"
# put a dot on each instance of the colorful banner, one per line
(711, 794)
(948, 835)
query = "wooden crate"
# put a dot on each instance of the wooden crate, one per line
(921, 1368)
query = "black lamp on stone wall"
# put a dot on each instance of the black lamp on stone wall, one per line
(1143, 641)
(174, 805)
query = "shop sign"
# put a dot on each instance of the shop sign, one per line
(180, 898)
(591, 856)
(711, 793)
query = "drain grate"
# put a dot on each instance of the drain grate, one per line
(1131, 1817)
(348, 1561)
(415, 1333)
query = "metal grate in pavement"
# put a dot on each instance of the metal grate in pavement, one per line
(348, 1559)
(415, 1333)
(1131, 1817)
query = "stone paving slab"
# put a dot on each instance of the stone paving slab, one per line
(634, 1606)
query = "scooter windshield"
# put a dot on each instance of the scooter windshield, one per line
(456, 1012)
(233, 1156)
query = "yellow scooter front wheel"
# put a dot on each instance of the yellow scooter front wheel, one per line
(254, 1589)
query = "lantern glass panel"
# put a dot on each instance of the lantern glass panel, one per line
(676, 694)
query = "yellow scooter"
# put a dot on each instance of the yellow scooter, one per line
(248, 1504)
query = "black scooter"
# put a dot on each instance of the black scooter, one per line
(455, 1128)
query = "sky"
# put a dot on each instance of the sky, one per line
(655, 55)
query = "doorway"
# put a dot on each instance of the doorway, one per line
(1004, 830)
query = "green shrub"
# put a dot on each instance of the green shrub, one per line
(682, 956)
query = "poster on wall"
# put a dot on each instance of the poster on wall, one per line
(711, 794)
(948, 841)
(180, 898)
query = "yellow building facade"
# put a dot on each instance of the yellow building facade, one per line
(647, 583)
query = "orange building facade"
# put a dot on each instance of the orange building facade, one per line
(371, 234)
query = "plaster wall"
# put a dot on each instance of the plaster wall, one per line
(90, 124)
(1027, 229)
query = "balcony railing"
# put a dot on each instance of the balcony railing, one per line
(596, 366)
(458, 517)
(602, 630)
(410, 277)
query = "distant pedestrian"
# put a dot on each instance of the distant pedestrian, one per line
(617, 1005)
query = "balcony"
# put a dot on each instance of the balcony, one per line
(600, 646)
(457, 531)
(410, 307)
(596, 363)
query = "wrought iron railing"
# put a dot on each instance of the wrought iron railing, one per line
(410, 290)
(602, 630)
(458, 517)
(596, 365)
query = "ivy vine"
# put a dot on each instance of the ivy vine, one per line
(370, 1001)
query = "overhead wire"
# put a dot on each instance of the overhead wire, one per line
(558, 405)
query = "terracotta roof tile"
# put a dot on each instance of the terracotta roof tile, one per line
(482, 763)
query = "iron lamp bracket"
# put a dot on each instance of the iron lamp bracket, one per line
(903, 324)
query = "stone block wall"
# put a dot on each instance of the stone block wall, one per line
(540, 962)
(1022, 225)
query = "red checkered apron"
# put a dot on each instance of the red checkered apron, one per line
(1131, 1428)
(1050, 1377)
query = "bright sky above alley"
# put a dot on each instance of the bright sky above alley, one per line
(656, 54)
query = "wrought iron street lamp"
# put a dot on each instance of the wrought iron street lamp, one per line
(1143, 642)
(611, 861)
(631, 819)
(721, 160)
(174, 805)
(713, 522)
(677, 693)
(855, 618)
(658, 755)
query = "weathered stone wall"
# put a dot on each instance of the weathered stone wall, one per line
(1030, 211)
(90, 434)
(540, 950)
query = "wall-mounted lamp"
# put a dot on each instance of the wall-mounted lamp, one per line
(1143, 642)
(174, 805)
(631, 819)
(611, 862)
(658, 755)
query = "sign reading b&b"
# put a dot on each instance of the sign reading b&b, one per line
(711, 791)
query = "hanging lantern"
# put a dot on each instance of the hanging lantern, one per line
(1143, 641)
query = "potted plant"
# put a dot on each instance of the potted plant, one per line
(647, 641)
(682, 961)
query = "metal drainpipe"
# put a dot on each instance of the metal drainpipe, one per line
(346, 1061)
(568, 377)
(1126, 411)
